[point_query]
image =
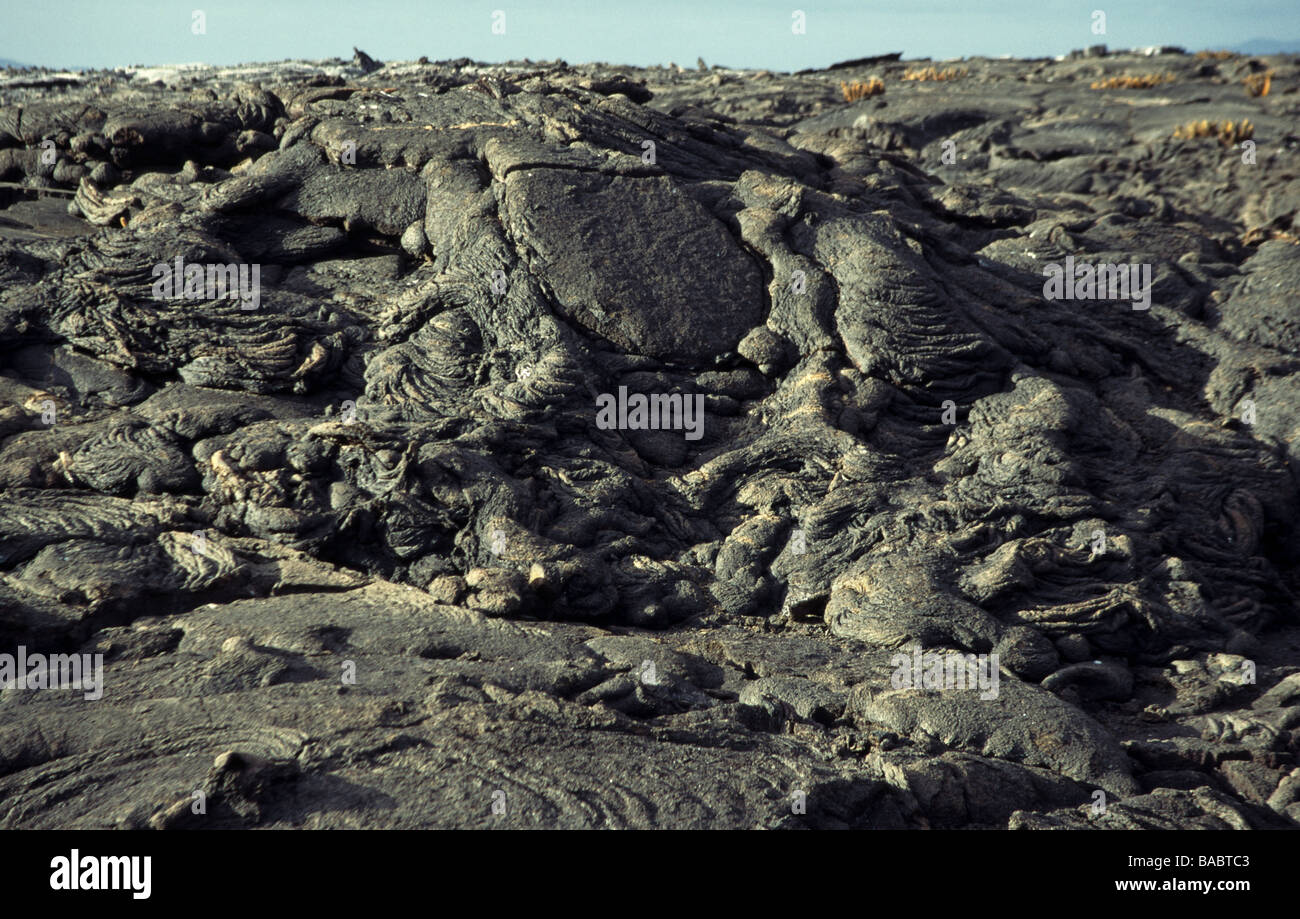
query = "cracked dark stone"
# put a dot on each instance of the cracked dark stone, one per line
(363, 557)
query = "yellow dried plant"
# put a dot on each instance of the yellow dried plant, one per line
(855, 90)
(932, 74)
(1141, 81)
(1258, 84)
(1227, 132)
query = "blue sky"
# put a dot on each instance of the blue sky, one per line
(745, 33)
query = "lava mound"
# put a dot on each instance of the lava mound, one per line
(538, 446)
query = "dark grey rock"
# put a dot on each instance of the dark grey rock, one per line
(366, 555)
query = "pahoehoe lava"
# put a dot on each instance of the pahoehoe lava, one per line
(361, 556)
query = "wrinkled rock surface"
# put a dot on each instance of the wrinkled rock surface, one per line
(362, 556)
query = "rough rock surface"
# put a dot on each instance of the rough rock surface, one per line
(363, 556)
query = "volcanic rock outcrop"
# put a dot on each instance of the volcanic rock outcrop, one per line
(357, 553)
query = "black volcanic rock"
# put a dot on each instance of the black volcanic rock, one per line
(636, 261)
(365, 61)
(364, 552)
